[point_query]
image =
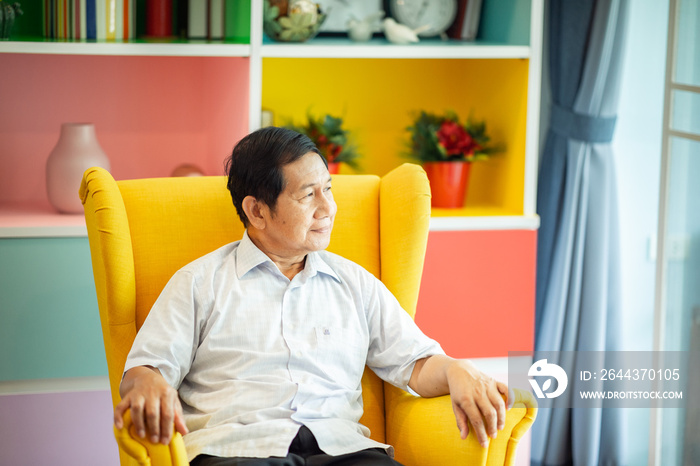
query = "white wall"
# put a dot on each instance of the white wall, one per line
(637, 149)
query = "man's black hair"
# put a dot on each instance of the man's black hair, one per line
(255, 165)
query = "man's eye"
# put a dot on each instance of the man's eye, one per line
(327, 189)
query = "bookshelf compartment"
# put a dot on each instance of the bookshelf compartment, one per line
(151, 114)
(35, 26)
(377, 104)
(217, 87)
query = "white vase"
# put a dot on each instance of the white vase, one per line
(77, 150)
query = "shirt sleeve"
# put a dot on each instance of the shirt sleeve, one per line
(168, 338)
(396, 342)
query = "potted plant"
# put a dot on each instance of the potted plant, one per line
(8, 12)
(330, 139)
(446, 148)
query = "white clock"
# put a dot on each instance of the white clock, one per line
(430, 17)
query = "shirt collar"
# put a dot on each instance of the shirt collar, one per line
(316, 264)
(249, 257)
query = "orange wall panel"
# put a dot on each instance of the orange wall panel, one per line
(477, 296)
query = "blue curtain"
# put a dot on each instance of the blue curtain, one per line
(577, 307)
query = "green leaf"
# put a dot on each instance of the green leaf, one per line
(285, 22)
(301, 20)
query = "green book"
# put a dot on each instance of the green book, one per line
(140, 19)
(237, 21)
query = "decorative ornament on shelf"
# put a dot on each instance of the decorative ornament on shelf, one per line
(292, 21)
(446, 148)
(77, 150)
(187, 169)
(341, 12)
(427, 18)
(330, 139)
(8, 13)
(401, 34)
(267, 118)
(362, 30)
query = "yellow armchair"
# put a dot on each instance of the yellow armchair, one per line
(142, 231)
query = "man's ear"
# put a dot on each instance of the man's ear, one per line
(254, 211)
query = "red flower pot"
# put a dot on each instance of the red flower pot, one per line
(448, 183)
(333, 167)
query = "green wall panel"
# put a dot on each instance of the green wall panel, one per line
(49, 321)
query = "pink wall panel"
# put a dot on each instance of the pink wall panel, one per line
(477, 296)
(150, 113)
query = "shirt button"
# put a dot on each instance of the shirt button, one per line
(298, 353)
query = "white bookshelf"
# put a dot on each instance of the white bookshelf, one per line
(22, 221)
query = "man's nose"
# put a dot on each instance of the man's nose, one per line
(326, 207)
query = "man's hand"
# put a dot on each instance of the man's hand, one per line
(476, 397)
(155, 406)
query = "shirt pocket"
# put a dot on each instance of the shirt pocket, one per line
(341, 355)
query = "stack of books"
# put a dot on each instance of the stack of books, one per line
(217, 19)
(89, 19)
(466, 24)
(118, 20)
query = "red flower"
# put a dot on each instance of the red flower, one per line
(332, 151)
(454, 139)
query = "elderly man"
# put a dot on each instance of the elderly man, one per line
(255, 352)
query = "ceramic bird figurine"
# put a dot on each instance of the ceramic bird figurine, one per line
(361, 30)
(399, 33)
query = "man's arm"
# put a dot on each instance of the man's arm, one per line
(475, 396)
(155, 405)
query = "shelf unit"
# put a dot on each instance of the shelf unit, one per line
(164, 49)
(38, 221)
(473, 253)
(380, 48)
(261, 51)
(29, 220)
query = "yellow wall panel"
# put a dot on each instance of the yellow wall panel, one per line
(378, 98)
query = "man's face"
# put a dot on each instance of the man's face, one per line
(305, 210)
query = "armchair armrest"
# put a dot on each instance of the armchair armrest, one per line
(146, 453)
(424, 431)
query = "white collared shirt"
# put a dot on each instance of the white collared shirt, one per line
(254, 355)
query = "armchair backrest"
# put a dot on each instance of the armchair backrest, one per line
(142, 231)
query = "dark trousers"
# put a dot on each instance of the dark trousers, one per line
(304, 451)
